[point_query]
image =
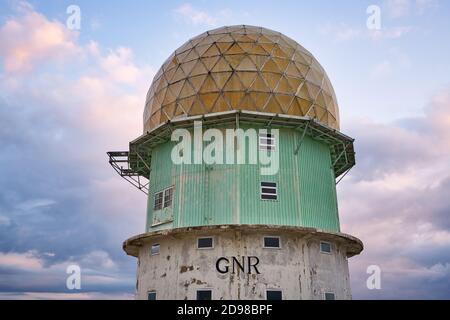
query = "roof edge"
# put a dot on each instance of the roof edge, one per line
(354, 245)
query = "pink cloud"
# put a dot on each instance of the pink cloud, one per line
(30, 39)
(396, 199)
(65, 296)
(23, 261)
(118, 64)
(96, 100)
(95, 110)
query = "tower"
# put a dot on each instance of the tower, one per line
(240, 229)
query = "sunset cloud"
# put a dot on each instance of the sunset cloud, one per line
(119, 65)
(31, 38)
(23, 261)
(65, 296)
(55, 128)
(187, 13)
(67, 98)
(396, 201)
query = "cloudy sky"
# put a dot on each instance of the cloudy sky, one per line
(68, 96)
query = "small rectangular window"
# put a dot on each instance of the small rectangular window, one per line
(266, 141)
(274, 295)
(204, 294)
(154, 250)
(151, 295)
(269, 191)
(163, 199)
(271, 242)
(158, 201)
(205, 243)
(325, 247)
(168, 196)
(329, 296)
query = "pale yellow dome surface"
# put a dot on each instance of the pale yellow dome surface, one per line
(241, 68)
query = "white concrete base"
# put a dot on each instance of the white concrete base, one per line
(298, 268)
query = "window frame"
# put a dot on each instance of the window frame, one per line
(329, 292)
(204, 289)
(151, 249)
(274, 290)
(326, 252)
(152, 292)
(171, 197)
(155, 208)
(264, 242)
(264, 145)
(261, 193)
(163, 198)
(206, 248)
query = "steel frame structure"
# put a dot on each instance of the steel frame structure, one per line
(116, 158)
(138, 159)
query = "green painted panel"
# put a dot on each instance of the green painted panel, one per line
(318, 202)
(225, 194)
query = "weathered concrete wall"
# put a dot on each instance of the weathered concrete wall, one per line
(298, 268)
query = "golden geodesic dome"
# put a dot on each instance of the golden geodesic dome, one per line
(241, 68)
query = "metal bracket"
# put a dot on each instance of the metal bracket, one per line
(143, 161)
(342, 177)
(268, 125)
(301, 139)
(340, 155)
(116, 158)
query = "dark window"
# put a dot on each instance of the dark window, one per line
(271, 242)
(269, 184)
(205, 243)
(325, 247)
(151, 295)
(154, 250)
(329, 296)
(158, 201)
(274, 295)
(269, 191)
(204, 295)
(168, 196)
(266, 141)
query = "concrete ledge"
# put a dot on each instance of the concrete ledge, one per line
(353, 245)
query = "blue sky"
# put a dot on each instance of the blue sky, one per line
(412, 44)
(67, 97)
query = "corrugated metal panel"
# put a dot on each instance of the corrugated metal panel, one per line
(223, 194)
(284, 210)
(317, 186)
(204, 195)
(161, 176)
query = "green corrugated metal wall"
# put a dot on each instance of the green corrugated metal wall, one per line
(227, 194)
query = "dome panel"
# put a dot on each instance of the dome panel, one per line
(240, 68)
